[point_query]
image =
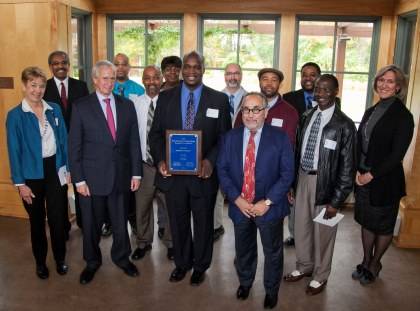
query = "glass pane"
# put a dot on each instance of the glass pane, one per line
(316, 44)
(215, 79)
(250, 81)
(256, 44)
(353, 95)
(164, 39)
(129, 39)
(74, 48)
(136, 74)
(354, 43)
(220, 41)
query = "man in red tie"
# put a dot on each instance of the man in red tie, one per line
(64, 90)
(105, 164)
(255, 168)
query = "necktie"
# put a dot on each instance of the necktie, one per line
(308, 156)
(309, 102)
(63, 96)
(232, 105)
(150, 114)
(110, 118)
(189, 118)
(248, 187)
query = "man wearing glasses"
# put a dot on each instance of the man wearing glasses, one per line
(255, 168)
(235, 92)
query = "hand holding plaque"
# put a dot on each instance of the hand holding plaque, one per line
(183, 153)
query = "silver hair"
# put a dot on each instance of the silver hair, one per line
(99, 65)
(259, 94)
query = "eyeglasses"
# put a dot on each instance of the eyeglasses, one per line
(255, 110)
(231, 74)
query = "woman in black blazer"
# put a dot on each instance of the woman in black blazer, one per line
(383, 139)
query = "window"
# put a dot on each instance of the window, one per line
(144, 40)
(345, 48)
(404, 41)
(81, 45)
(251, 41)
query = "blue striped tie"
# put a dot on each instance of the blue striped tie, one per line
(308, 156)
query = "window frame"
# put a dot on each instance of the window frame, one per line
(403, 50)
(376, 20)
(110, 18)
(231, 16)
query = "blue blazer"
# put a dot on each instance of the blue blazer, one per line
(274, 171)
(25, 146)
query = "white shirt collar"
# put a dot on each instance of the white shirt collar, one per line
(58, 82)
(148, 98)
(101, 97)
(327, 113)
(27, 108)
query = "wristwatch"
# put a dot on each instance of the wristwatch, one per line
(268, 202)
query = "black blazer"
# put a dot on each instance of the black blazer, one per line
(77, 89)
(388, 144)
(94, 156)
(168, 116)
(297, 100)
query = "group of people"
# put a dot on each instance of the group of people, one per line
(295, 153)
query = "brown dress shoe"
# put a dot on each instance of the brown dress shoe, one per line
(294, 278)
(311, 291)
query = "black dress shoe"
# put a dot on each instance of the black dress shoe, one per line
(177, 275)
(358, 273)
(270, 301)
(106, 230)
(289, 242)
(161, 233)
(170, 253)
(139, 253)
(130, 269)
(62, 268)
(87, 275)
(197, 277)
(218, 232)
(243, 292)
(42, 272)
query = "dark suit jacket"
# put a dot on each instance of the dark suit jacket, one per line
(297, 100)
(168, 117)
(77, 89)
(388, 144)
(274, 170)
(94, 156)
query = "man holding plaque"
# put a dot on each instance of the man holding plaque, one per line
(191, 106)
(255, 168)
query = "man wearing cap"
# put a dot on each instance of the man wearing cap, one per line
(280, 113)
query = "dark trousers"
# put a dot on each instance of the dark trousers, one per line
(48, 202)
(189, 253)
(131, 214)
(67, 223)
(246, 248)
(93, 213)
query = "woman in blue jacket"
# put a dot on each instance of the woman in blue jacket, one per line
(37, 145)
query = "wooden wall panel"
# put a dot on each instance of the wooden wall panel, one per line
(321, 7)
(190, 32)
(404, 6)
(287, 43)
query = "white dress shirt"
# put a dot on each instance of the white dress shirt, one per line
(103, 105)
(66, 85)
(325, 118)
(49, 146)
(142, 103)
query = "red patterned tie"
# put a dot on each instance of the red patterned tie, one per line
(63, 96)
(248, 187)
(110, 117)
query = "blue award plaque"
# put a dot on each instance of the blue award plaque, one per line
(183, 152)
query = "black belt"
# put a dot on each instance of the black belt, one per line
(312, 172)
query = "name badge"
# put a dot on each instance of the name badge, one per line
(212, 113)
(330, 144)
(56, 121)
(277, 122)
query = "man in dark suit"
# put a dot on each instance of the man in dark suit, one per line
(255, 168)
(302, 101)
(64, 90)
(190, 106)
(105, 164)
